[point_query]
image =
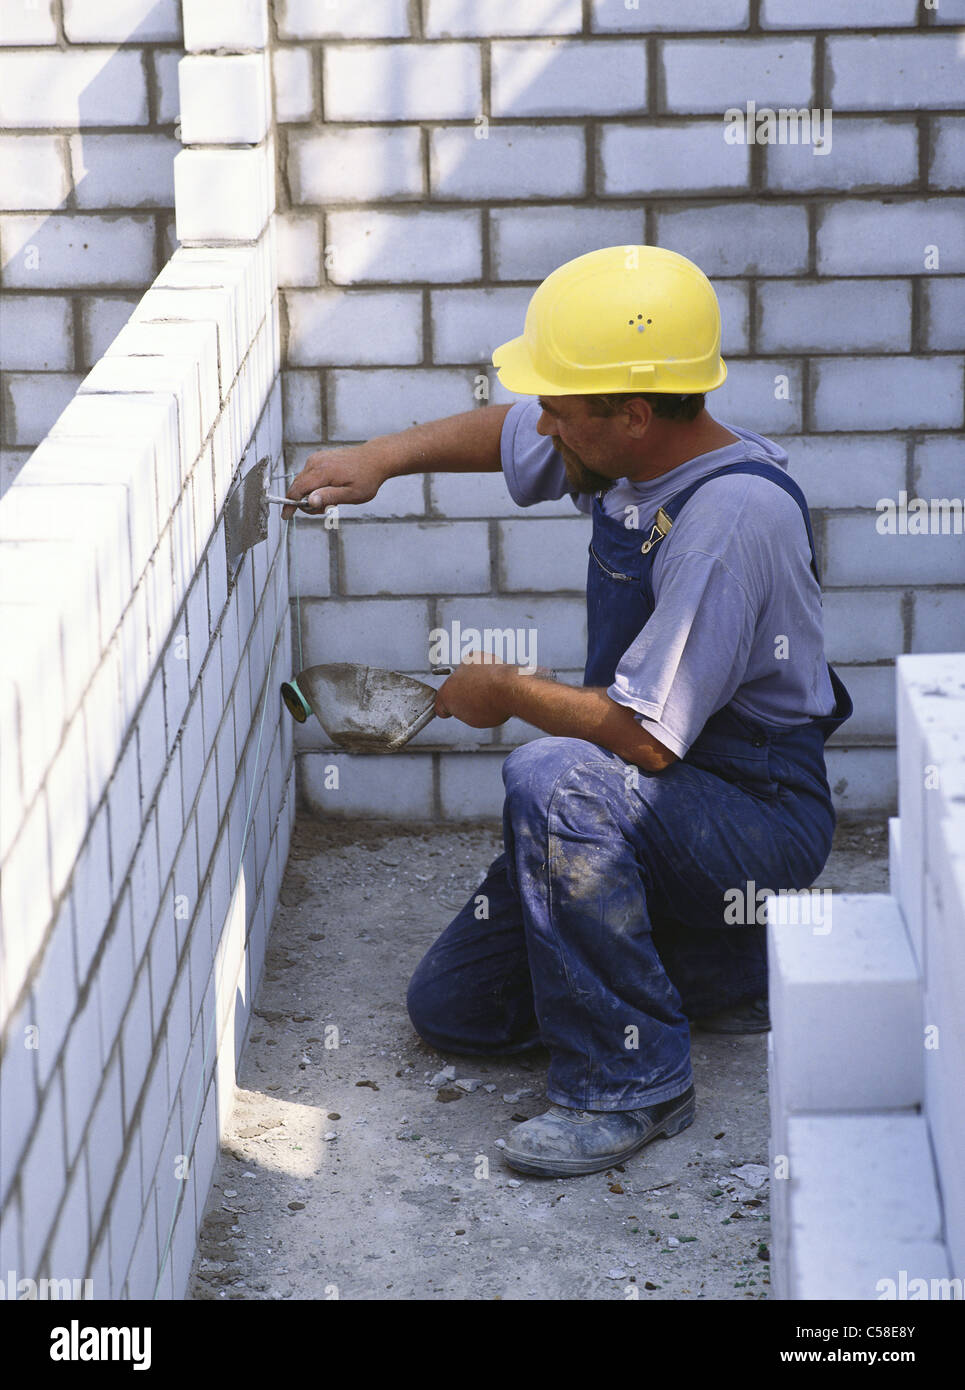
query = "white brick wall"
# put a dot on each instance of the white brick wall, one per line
(102, 759)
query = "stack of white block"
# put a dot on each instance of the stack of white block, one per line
(867, 1050)
(145, 805)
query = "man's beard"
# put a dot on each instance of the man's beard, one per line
(583, 479)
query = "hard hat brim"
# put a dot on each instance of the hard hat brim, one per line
(515, 370)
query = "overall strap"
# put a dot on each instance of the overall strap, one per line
(758, 469)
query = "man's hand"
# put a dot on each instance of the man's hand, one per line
(479, 692)
(333, 476)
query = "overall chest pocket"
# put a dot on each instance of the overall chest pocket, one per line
(610, 572)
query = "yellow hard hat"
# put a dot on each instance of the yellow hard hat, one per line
(625, 318)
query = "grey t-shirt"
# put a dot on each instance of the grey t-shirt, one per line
(738, 617)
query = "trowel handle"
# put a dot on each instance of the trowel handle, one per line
(288, 502)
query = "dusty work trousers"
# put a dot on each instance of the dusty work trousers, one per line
(602, 926)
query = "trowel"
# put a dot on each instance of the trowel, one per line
(363, 709)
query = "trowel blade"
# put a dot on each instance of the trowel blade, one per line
(365, 708)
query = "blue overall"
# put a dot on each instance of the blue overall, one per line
(601, 927)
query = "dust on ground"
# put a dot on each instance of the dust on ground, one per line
(357, 1167)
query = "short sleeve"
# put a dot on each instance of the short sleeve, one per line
(690, 658)
(533, 469)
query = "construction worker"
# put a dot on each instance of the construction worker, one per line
(691, 761)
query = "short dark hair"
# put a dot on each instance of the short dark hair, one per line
(665, 404)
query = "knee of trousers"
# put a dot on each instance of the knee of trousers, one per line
(536, 772)
(423, 1003)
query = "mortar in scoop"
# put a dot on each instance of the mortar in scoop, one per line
(363, 709)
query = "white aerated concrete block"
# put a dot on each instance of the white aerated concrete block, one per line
(835, 315)
(222, 195)
(198, 341)
(431, 556)
(546, 163)
(647, 16)
(123, 170)
(869, 1180)
(837, 14)
(411, 82)
(367, 403)
(670, 158)
(369, 326)
(224, 24)
(453, 19)
(738, 238)
(948, 154)
(224, 100)
(888, 393)
(166, 376)
(715, 74)
(894, 857)
(548, 76)
(294, 78)
(861, 237)
(543, 555)
(845, 998)
(380, 246)
(358, 163)
(864, 154)
(888, 70)
(122, 21)
(342, 19)
(529, 242)
(72, 89)
(931, 699)
(35, 171)
(337, 785)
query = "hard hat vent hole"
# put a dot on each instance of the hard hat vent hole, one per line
(640, 327)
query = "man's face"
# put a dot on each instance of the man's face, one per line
(589, 445)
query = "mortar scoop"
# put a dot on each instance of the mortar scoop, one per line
(363, 709)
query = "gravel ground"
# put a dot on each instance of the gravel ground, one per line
(357, 1171)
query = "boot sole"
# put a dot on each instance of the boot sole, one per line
(670, 1125)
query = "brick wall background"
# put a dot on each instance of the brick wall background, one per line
(409, 246)
(146, 802)
(88, 111)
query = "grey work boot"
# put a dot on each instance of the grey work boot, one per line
(745, 1018)
(563, 1142)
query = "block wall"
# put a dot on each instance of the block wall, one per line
(145, 798)
(88, 135)
(867, 1048)
(438, 159)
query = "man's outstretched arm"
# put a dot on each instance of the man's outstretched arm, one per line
(466, 443)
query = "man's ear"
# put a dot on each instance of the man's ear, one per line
(639, 416)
